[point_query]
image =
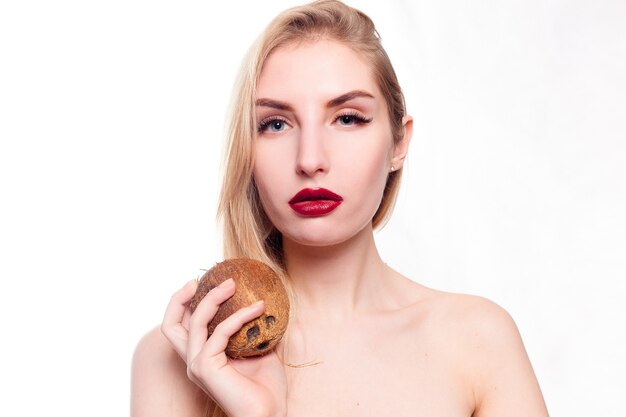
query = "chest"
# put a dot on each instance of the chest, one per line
(377, 375)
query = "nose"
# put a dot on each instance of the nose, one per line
(312, 158)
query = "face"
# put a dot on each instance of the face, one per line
(324, 146)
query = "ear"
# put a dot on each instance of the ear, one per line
(401, 148)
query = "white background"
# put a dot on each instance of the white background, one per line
(111, 122)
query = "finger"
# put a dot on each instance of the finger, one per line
(171, 326)
(176, 307)
(204, 313)
(186, 318)
(219, 339)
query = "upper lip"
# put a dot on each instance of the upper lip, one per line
(312, 194)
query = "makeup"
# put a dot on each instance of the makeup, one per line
(314, 202)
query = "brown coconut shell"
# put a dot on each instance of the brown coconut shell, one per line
(254, 281)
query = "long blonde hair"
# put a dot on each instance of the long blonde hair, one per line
(247, 229)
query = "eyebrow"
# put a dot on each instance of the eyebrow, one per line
(274, 104)
(337, 101)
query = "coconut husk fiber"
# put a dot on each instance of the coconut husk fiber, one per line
(254, 281)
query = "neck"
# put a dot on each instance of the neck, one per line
(336, 281)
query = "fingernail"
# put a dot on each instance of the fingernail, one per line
(258, 303)
(227, 284)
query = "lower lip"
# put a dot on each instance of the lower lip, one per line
(314, 208)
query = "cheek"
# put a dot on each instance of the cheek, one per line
(269, 177)
(367, 164)
(365, 174)
(372, 181)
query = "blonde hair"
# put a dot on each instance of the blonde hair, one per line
(247, 229)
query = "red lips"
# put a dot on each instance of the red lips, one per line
(313, 202)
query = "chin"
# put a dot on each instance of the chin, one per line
(323, 231)
(317, 243)
(320, 236)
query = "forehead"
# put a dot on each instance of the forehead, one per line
(314, 69)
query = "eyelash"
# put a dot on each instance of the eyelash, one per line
(267, 122)
(356, 117)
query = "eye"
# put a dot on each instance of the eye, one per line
(272, 124)
(351, 119)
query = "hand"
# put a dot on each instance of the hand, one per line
(240, 387)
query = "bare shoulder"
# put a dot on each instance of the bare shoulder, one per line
(472, 325)
(461, 315)
(159, 383)
(476, 319)
(489, 352)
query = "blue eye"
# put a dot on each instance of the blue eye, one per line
(352, 119)
(272, 125)
(276, 126)
(346, 120)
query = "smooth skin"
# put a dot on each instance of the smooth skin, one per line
(376, 343)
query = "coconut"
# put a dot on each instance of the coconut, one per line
(254, 281)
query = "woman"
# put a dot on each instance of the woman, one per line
(316, 150)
